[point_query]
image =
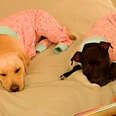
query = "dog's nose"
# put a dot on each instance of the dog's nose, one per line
(14, 88)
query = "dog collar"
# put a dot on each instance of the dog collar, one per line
(8, 31)
(93, 39)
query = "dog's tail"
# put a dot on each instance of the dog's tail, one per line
(72, 37)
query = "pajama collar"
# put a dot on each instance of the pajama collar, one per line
(94, 39)
(8, 31)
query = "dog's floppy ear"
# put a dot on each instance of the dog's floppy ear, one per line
(105, 45)
(25, 59)
(76, 57)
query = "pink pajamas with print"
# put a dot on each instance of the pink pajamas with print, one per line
(105, 28)
(31, 24)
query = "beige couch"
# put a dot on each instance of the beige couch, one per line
(44, 93)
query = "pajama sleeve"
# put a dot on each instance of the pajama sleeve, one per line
(43, 45)
(60, 48)
(47, 26)
(64, 42)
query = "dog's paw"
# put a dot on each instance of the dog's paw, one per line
(62, 77)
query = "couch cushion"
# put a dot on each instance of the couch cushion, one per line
(44, 93)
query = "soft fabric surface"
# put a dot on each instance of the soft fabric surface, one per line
(44, 93)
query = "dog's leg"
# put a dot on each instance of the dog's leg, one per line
(67, 74)
(42, 45)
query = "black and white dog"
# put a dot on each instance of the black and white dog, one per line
(96, 63)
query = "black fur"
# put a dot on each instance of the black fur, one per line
(67, 74)
(96, 63)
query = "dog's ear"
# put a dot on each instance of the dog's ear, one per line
(25, 59)
(105, 45)
(76, 57)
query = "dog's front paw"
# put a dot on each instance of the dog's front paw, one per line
(62, 77)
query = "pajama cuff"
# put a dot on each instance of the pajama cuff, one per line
(40, 48)
(60, 48)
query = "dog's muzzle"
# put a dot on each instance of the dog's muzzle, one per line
(14, 88)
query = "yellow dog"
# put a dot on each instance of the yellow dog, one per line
(13, 63)
(19, 37)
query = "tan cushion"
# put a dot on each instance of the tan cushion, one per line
(45, 94)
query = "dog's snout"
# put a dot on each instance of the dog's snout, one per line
(14, 88)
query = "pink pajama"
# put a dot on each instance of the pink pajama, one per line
(106, 28)
(31, 24)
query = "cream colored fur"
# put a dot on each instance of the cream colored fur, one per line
(12, 57)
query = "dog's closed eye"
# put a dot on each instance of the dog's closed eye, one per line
(3, 74)
(17, 70)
